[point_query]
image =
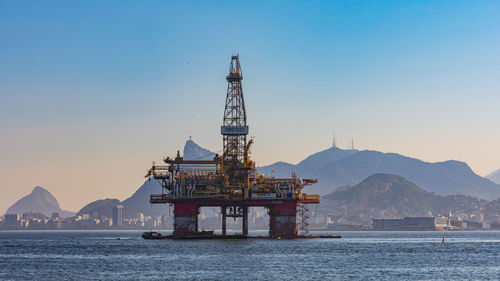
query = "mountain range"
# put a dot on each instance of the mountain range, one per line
(39, 200)
(335, 167)
(392, 196)
(337, 171)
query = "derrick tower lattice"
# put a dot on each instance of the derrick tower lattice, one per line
(234, 126)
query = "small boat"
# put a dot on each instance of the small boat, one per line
(152, 235)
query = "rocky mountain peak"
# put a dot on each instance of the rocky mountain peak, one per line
(39, 200)
(193, 151)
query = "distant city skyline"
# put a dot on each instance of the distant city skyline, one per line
(92, 92)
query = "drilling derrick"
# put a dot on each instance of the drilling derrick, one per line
(234, 126)
(230, 181)
(234, 130)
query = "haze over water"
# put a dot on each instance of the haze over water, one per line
(356, 256)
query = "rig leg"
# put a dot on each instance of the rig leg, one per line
(283, 220)
(196, 221)
(245, 221)
(271, 224)
(223, 212)
(185, 219)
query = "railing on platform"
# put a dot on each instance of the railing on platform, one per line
(161, 174)
(165, 198)
(158, 198)
(309, 198)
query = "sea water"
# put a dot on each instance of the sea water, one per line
(124, 255)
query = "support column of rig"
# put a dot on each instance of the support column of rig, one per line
(223, 212)
(185, 219)
(283, 219)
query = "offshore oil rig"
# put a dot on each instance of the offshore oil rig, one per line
(230, 181)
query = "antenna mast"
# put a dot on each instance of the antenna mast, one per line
(334, 144)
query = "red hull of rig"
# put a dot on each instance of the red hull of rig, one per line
(282, 215)
(230, 181)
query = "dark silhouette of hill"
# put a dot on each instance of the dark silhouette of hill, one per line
(348, 167)
(100, 208)
(139, 201)
(132, 206)
(392, 196)
(39, 200)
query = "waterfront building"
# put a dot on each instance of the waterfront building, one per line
(472, 225)
(118, 216)
(12, 221)
(412, 223)
(495, 225)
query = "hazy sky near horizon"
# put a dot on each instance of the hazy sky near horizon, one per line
(91, 92)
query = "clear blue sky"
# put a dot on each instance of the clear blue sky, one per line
(92, 91)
